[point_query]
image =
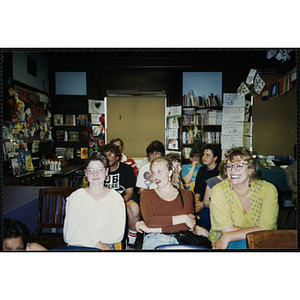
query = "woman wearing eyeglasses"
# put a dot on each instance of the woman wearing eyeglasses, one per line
(241, 203)
(95, 216)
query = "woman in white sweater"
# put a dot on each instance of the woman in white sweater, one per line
(95, 216)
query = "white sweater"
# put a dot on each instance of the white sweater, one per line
(89, 221)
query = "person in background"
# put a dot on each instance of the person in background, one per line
(163, 212)
(212, 181)
(95, 215)
(15, 237)
(189, 172)
(175, 158)
(291, 176)
(124, 158)
(121, 178)
(241, 203)
(209, 169)
(144, 180)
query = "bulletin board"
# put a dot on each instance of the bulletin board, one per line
(275, 122)
(137, 120)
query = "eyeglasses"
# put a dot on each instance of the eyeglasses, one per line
(238, 166)
(92, 171)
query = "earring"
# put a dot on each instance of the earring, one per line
(250, 181)
(85, 180)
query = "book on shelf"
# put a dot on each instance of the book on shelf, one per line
(84, 136)
(28, 162)
(73, 136)
(70, 120)
(78, 153)
(213, 137)
(60, 135)
(212, 117)
(22, 164)
(84, 153)
(60, 152)
(70, 153)
(186, 152)
(15, 165)
(58, 119)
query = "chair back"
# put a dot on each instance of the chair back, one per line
(51, 211)
(272, 239)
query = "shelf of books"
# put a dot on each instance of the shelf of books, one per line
(71, 136)
(204, 116)
(77, 135)
(202, 110)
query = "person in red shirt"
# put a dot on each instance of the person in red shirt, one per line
(124, 158)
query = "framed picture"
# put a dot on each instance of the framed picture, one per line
(70, 120)
(73, 136)
(58, 119)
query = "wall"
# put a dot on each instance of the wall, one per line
(275, 122)
(137, 121)
(20, 73)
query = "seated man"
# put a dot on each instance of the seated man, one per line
(122, 179)
(144, 181)
(124, 158)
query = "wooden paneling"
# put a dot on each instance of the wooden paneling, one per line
(275, 122)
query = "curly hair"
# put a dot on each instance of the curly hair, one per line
(241, 153)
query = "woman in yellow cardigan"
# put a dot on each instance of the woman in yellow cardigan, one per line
(241, 203)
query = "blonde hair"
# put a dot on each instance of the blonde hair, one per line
(175, 177)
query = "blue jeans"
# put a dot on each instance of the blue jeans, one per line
(153, 240)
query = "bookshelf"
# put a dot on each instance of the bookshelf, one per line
(202, 109)
(70, 135)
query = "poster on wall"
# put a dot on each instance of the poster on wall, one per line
(96, 107)
(233, 100)
(232, 114)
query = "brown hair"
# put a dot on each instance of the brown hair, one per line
(94, 156)
(241, 153)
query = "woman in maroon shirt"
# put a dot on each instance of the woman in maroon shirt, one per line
(163, 212)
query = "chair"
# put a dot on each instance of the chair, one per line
(272, 239)
(51, 215)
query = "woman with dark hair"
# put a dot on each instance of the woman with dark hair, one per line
(95, 216)
(209, 169)
(241, 203)
(15, 237)
(162, 209)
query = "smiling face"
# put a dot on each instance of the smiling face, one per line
(238, 171)
(160, 174)
(95, 172)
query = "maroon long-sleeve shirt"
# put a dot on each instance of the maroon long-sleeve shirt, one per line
(157, 212)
